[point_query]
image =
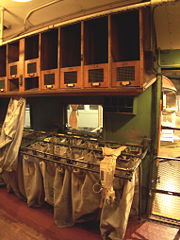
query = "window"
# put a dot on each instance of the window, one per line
(85, 117)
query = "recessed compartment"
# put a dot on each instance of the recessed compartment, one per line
(2, 61)
(124, 105)
(13, 84)
(70, 46)
(31, 83)
(50, 79)
(125, 49)
(49, 49)
(13, 52)
(32, 65)
(2, 84)
(96, 41)
(70, 56)
(125, 43)
(31, 47)
(96, 52)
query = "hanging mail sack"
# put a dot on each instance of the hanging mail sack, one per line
(10, 140)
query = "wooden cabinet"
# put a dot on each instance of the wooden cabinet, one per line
(105, 54)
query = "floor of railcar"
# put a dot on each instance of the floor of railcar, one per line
(18, 221)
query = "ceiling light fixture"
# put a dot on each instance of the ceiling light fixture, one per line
(21, 0)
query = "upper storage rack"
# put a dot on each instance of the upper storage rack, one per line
(103, 55)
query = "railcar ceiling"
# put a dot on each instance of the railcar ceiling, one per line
(19, 16)
(167, 21)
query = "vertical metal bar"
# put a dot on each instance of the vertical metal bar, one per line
(82, 55)
(109, 51)
(140, 191)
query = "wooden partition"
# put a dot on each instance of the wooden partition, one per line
(70, 56)
(3, 79)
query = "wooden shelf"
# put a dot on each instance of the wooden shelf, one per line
(76, 92)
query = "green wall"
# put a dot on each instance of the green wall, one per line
(3, 108)
(131, 128)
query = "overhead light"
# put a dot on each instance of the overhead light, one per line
(21, 0)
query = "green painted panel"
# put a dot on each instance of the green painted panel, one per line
(46, 113)
(169, 58)
(131, 128)
(3, 108)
